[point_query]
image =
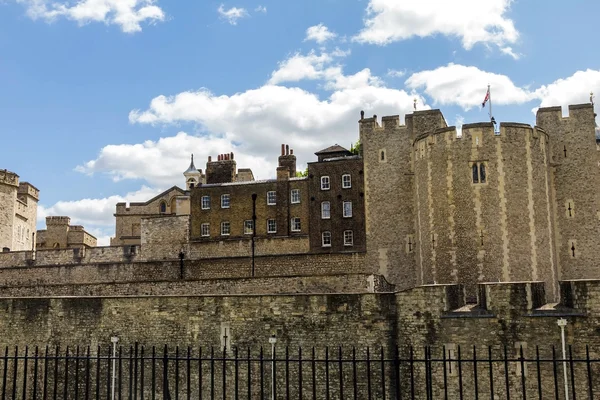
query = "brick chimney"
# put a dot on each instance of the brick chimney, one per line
(287, 159)
(221, 171)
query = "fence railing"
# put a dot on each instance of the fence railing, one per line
(450, 372)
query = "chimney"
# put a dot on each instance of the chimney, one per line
(209, 158)
(362, 115)
(232, 155)
(287, 159)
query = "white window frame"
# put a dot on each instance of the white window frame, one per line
(323, 216)
(344, 209)
(349, 185)
(202, 227)
(269, 230)
(248, 227)
(228, 197)
(223, 225)
(348, 235)
(293, 224)
(271, 201)
(325, 182)
(295, 196)
(202, 202)
(324, 235)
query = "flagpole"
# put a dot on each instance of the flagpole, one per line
(490, 100)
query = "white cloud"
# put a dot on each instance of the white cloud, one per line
(128, 14)
(261, 9)
(472, 21)
(93, 212)
(466, 86)
(395, 73)
(319, 33)
(574, 89)
(299, 67)
(233, 14)
(509, 51)
(161, 163)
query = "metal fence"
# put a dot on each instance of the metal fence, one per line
(139, 372)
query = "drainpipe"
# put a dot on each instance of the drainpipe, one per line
(562, 323)
(114, 341)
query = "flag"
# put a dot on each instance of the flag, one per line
(487, 97)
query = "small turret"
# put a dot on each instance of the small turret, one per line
(192, 175)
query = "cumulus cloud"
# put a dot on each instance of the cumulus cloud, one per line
(233, 14)
(466, 86)
(127, 14)
(94, 212)
(473, 21)
(574, 89)
(319, 33)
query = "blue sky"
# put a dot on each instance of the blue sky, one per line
(103, 101)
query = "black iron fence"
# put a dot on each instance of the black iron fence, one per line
(451, 372)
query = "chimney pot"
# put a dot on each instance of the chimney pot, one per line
(232, 155)
(292, 151)
(209, 158)
(282, 149)
(362, 115)
(287, 149)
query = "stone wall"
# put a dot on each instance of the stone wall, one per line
(55, 272)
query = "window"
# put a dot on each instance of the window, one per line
(325, 210)
(295, 196)
(205, 229)
(296, 227)
(205, 202)
(382, 155)
(271, 198)
(325, 183)
(479, 173)
(348, 238)
(248, 227)
(346, 181)
(225, 200)
(163, 207)
(326, 239)
(271, 226)
(225, 228)
(347, 209)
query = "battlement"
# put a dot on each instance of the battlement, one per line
(574, 110)
(9, 178)
(58, 221)
(27, 189)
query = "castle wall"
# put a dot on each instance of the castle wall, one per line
(497, 230)
(388, 200)
(347, 283)
(576, 182)
(163, 237)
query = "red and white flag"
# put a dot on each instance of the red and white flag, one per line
(487, 97)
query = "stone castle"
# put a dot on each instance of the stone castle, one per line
(421, 237)
(18, 212)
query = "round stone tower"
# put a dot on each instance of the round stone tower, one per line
(483, 206)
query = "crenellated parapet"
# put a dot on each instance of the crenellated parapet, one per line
(9, 178)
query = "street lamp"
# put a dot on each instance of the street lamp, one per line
(114, 340)
(253, 228)
(562, 323)
(273, 341)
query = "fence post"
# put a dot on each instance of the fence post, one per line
(166, 394)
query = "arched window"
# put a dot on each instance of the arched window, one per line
(163, 207)
(482, 172)
(475, 174)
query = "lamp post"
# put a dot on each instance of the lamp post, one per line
(273, 341)
(562, 323)
(181, 257)
(253, 228)
(114, 340)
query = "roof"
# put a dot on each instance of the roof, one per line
(336, 148)
(191, 168)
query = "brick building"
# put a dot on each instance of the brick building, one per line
(326, 207)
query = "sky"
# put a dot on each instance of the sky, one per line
(103, 101)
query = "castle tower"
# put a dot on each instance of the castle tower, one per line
(57, 232)
(576, 188)
(483, 206)
(193, 176)
(9, 185)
